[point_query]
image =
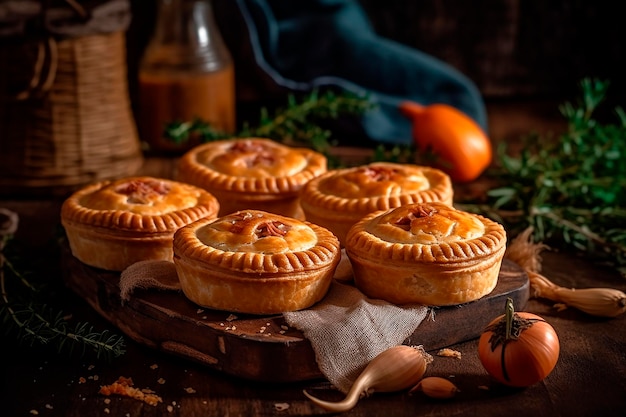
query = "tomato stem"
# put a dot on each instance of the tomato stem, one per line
(509, 327)
(509, 317)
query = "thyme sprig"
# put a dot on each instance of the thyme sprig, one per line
(568, 188)
(299, 123)
(33, 322)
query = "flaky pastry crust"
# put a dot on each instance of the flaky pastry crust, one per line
(427, 253)
(253, 173)
(113, 224)
(255, 262)
(339, 198)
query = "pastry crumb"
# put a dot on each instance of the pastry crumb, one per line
(154, 366)
(281, 406)
(124, 387)
(190, 390)
(449, 353)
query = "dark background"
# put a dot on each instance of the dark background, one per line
(511, 49)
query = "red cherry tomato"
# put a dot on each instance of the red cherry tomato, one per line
(518, 349)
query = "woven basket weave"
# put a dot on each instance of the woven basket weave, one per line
(65, 114)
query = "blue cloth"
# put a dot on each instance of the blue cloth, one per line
(308, 44)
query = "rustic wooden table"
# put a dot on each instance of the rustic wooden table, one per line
(589, 379)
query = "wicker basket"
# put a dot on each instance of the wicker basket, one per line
(65, 114)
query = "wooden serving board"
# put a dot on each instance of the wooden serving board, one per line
(260, 348)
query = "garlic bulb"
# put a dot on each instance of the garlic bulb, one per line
(394, 369)
(436, 387)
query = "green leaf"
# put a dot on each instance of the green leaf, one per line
(569, 186)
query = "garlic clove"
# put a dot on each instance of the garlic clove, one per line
(603, 302)
(436, 387)
(394, 369)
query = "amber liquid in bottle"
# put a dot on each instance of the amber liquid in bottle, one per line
(186, 73)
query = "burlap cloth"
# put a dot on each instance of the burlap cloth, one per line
(346, 329)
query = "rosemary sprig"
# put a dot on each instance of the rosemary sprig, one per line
(39, 324)
(297, 124)
(36, 323)
(568, 188)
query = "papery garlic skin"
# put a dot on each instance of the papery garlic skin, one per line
(601, 302)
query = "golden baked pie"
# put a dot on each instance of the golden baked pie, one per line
(255, 262)
(113, 224)
(339, 198)
(252, 173)
(428, 253)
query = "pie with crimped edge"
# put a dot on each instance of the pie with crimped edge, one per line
(426, 253)
(113, 224)
(255, 262)
(252, 173)
(339, 198)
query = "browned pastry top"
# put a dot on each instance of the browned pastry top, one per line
(143, 204)
(430, 232)
(253, 240)
(377, 186)
(252, 165)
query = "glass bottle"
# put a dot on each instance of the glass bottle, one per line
(186, 72)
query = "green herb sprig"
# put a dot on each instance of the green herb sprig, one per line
(297, 124)
(40, 324)
(568, 188)
(33, 322)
